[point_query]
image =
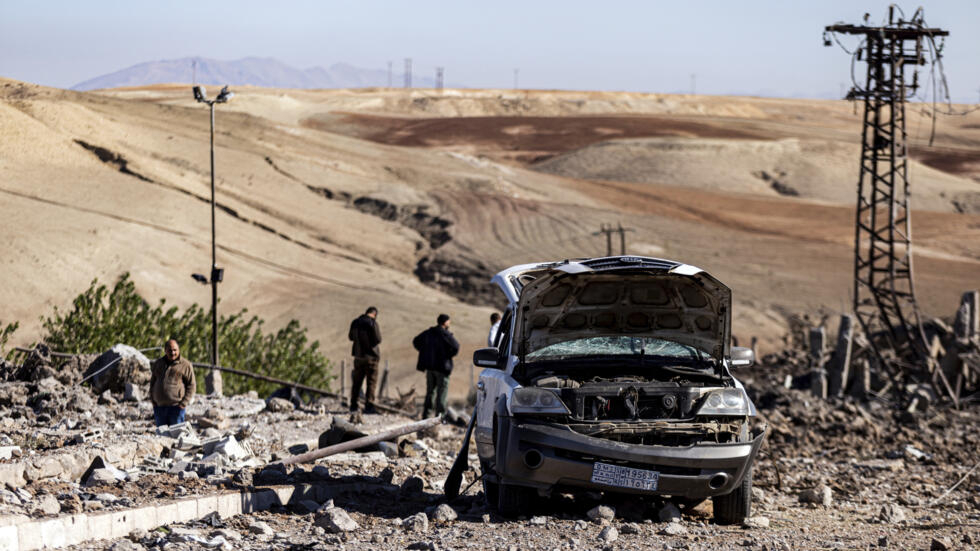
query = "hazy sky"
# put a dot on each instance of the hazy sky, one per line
(770, 47)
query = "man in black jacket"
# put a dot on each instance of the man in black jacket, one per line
(436, 346)
(366, 335)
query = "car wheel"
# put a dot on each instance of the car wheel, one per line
(514, 500)
(734, 507)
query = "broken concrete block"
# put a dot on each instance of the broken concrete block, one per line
(88, 436)
(891, 513)
(443, 513)
(609, 534)
(132, 393)
(336, 520)
(107, 474)
(416, 523)
(601, 512)
(9, 452)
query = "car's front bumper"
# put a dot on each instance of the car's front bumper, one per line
(567, 458)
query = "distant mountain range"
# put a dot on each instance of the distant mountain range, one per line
(254, 71)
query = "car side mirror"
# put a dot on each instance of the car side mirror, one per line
(485, 357)
(742, 357)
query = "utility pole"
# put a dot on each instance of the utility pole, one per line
(516, 72)
(439, 72)
(408, 72)
(389, 74)
(608, 230)
(884, 295)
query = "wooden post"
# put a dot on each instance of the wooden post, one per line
(383, 386)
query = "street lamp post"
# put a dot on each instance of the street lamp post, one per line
(212, 382)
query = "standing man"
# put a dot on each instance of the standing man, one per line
(366, 335)
(436, 346)
(494, 329)
(172, 385)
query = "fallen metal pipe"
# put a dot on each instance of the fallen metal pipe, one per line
(363, 441)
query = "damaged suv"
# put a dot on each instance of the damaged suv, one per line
(614, 375)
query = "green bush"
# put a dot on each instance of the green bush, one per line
(100, 318)
(5, 332)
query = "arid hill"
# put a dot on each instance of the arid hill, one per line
(334, 200)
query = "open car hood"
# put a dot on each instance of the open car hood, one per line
(614, 296)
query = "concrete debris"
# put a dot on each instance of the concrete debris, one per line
(821, 495)
(891, 513)
(416, 523)
(132, 393)
(9, 452)
(126, 545)
(538, 520)
(279, 405)
(608, 534)
(756, 522)
(674, 529)
(335, 520)
(261, 530)
(443, 513)
(117, 366)
(601, 512)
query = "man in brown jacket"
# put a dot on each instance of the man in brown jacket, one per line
(172, 385)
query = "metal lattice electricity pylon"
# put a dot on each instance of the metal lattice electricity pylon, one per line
(884, 294)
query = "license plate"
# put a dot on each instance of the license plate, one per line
(625, 477)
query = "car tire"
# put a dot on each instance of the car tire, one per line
(732, 508)
(513, 501)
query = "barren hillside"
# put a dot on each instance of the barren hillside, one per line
(334, 200)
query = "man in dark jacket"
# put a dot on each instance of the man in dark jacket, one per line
(436, 346)
(172, 385)
(366, 335)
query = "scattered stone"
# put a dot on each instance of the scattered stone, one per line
(138, 535)
(47, 504)
(187, 475)
(335, 520)
(389, 449)
(102, 476)
(630, 528)
(579, 525)
(279, 405)
(940, 544)
(539, 520)
(891, 513)
(323, 473)
(601, 512)
(443, 513)
(126, 545)
(261, 529)
(756, 522)
(228, 534)
(669, 513)
(608, 534)
(416, 523)
(674, 529)
(106, 498)
(821, 495)
(413, 485)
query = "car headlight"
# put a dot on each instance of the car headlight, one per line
(536, 401)
(728, 401)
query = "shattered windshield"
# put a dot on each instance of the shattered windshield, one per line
(614, 346)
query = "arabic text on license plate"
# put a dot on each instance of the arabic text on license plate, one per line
(625, 477)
